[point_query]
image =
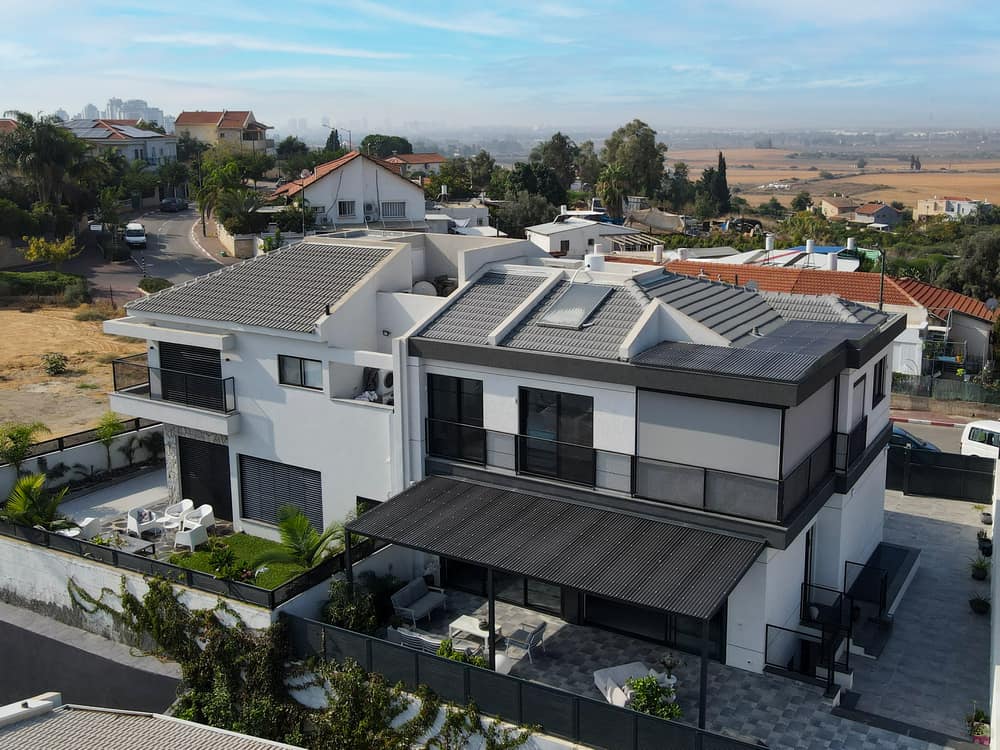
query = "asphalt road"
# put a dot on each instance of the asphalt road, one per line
(169, 254)
(33, 664)
(948, 439)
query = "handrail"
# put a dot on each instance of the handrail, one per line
(851, 445)
(175, 386)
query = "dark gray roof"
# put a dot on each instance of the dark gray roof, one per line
(287, 289)
(666, 566)
(724, 360)
(601, 336)
(481, 307)
(827, 308)
(732, 312)
(809, 338)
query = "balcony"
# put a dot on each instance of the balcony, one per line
(696, 487)
(851, 446)
(186, 399)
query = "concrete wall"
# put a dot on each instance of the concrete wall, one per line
(806, 426)
(238, 245)
(974, 332)
(37, 578)
(907, 352)
(87, 455)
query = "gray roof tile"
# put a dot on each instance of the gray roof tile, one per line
(724, 360)
(482, 307)
(287, 289)
(827, 308)
(600, 337)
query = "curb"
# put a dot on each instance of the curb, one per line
(194, 239)
(932, 422)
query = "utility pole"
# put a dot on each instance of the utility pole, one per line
(881, 281)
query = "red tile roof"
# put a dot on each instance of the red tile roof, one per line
(940, 301)
(871, 208)
(953, 198)
(199, 117)
(7, 126)
(321, 171)
(838, 202)
(416, 158)
(234, 119)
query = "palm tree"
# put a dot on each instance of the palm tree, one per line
(16, 439)
(213, 186)
(45, 153)
(612, 189)
(301, 544)
(107, 430)
(30, 504)
(234, 208)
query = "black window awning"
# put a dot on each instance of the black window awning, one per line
(630, 558)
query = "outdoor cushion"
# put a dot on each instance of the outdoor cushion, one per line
(416, 601)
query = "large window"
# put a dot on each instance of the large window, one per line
(557, 435)
(393, 209)
(878, 383)
(345, 208)
(455, 418)
(267, 486)
(305, 373)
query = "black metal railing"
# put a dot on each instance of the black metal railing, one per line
(512, 699)
(75, 439)
(810, 656)
(244, 592)
(851, 446)
(698, 487)
(132, 376)
(938, 474)
(824, 607)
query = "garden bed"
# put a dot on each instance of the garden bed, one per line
(245, 549)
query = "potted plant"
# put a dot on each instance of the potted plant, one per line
(980, 604)
(985, 543)
(985, 515)
(979, 725)
(980, 568)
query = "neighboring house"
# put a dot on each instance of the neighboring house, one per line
(877, 213)
(126, 137)
(7, 125)
(359, 190)
(237, 128)
(412, 163)
(460, 217)
(950, 206)
(836, 206)
(829, 257)
(45, 722)
(573, 236)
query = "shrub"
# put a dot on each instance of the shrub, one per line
(350, 611)
(650, 697)
(108, 428)
(39, 283)
(55, 363)
(153, 284)
(76, 293)
(16, 439)
(99, 312)
(447, 650)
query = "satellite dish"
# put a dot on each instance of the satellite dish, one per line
(752, 286)
(991, 303)
(424, 287)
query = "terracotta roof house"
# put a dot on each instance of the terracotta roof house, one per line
(836, 206)
(126, 137)
(7, 125)
(237, 127)
(411, 163)
(358, 189)
(877, 213)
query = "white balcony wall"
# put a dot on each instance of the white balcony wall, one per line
(806, 426)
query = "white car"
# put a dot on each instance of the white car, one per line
(981, 439)
(135, 234)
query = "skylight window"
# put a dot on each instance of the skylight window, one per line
(574, 306)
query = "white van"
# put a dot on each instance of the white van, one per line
(135, 234)
(981, 439)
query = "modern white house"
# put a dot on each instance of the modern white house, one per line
(574, 236)
(127, 138)
(952, 207)
(358, 190)
(677, 459)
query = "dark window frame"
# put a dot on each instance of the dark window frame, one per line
(302, 372)
(878, 382)
(574, 461)
(455, 418)
(563, 247)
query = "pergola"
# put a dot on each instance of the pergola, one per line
(624, 557)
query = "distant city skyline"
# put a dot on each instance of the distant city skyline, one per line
(547, 64)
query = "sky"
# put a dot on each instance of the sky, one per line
(582, 66)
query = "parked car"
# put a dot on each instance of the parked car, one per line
(981, 438)
(172, 205)
(135, 234)
(902, 438)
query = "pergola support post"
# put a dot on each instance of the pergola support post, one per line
(491, 618)
(348, 563)
(703, 689)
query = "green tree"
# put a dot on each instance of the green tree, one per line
(15, 221)
(214, 184)
(588, 164)
(301, 544)
(679, 191)
(290, 146)
(16, 439)
(499, 187)
(802, 201)
(522, 210)
(558, 153)
(253, 165)
(108, 428)
(455, 174)
(537, 179)
(383, 146)
(44, 153)
(773, 208)
(56, 252)
(137, 180)
(481, 168)
(862, 162)
(189, 149)
(706, 203)
(633, 148)
(31, 504)
(333, 140)
(173, 174)
(612, 190)
(720, 187)
(236, 208)
(976, 270)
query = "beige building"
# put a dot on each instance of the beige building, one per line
(839, 206)
(950, 206)
(239, 129)
(413, 163)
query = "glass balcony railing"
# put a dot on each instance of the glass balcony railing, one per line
(134, 377)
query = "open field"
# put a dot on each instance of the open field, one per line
(886, 179)
(66, 403)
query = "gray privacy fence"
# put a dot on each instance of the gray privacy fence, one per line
(557, 712)
(943, 389)
(939, 474)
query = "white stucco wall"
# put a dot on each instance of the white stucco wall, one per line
(907, 351)
(363, 182)
(806, 426)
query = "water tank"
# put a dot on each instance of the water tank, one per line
(594, 261)
(810, 246)
(831, 261)
(658, 253)
(852, 243)
(769, 243)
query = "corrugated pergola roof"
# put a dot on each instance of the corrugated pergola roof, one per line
(665, 566)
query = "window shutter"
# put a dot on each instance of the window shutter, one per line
(267, 486)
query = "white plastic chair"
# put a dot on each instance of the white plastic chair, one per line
(173, 516)
(86, 529)
(203, 515)
(137, 527)
(192, 537)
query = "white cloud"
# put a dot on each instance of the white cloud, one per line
(459, 22)
(258, 44)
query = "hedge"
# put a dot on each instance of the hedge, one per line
(39, 283)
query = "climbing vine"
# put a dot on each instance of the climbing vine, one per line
(236, 678)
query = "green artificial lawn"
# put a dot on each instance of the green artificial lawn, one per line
(246, 548)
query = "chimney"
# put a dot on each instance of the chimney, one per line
(852, 244)
(658, 253)
(769, 243)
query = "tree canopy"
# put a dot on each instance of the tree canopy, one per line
(383, 146)
(634, 148)
(588, 164)
(558, 153)
(537, 179)
(455, 174)
(522, 210)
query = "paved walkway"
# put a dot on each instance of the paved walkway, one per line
(935, 664)
(115, 500)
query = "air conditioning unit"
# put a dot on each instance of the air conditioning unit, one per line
(369, 208)
(370, 218)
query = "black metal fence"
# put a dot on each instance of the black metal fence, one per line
(132, 376)
(944, 389)
(810, 655)
(511, 699)
(939, 474)
(83, 437)
(146, 565)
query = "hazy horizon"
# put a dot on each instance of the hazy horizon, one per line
(376, 66)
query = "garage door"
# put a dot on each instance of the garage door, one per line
(204, 470)
(267, 486)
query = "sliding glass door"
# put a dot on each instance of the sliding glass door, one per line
(557, 436)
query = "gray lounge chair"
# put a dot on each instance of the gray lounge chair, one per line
(416, 600)
(527, 637)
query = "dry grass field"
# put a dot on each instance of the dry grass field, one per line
(882, 178)
(66, 403)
